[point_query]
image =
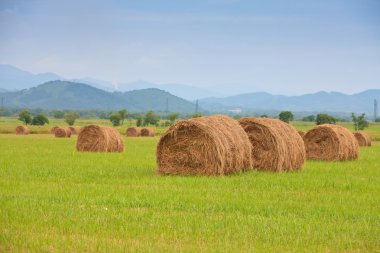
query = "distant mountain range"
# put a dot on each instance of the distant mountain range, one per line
(71, 95)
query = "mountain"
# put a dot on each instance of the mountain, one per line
(317, 102)
(12, 78)
(71, 95)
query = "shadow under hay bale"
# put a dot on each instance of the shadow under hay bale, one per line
(331, 142)
(95, 138)
(62, 132)
(276, 145)
(133, 131)
(147, 132)
(364, 140)
(213, 145)
(22, 130)
(73, 130)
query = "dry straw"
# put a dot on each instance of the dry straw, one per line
(73, 130)
(276, 145)
(363, 139)
(331, 142)
(133, 131)
(62, 132)
(213, 145)
(22, 130)
(95, 138)
(52, 130)
(147, 132)
(301, 133)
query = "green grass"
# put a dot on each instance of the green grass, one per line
(53, 199)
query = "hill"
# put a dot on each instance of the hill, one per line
(71, 95)
(317, 102)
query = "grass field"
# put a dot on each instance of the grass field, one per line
(54, 199)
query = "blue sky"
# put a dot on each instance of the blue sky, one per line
(288, 47)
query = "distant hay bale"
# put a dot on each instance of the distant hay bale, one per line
(147, 132)
(331, 142)
(62, 132)
(301, 133)
(95, 138)
(364, 140)
(22, 130)
(133, 131)
(213, 145)
(52, 130)
(73, 130)
(276, 145)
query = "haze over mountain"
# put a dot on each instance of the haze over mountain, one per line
(70, 95)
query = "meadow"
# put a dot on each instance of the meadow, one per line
(54, 199)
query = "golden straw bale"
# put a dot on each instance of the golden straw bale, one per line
(363, 139)
(276, 145)
(213, 145)
(22, 130)
(62, 132)
(331, 142)
(133, 131)
(95, 138)
(147, 132)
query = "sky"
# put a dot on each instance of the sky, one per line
(282, 47)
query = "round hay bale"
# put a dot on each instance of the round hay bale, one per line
(331, 142)
(364, 140)
(301, 133)
(62, 132)
(22, 130)
(95, 138)
(276, 145)
(213, 145)
(52, 130)
(147, 132)
(73, 130)
(133, 131)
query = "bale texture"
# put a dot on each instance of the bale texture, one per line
(62, 132)
(95, 138)
(52, 130)
(73, 130)
(364, 140)
(147, 132)
(22, 130)
(331, 143)
(133, 131)
(301, 133)
(213, 145)
(276, 145)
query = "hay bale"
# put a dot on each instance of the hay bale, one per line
(95, 138)
(73, 130)
(22, 130)
(62, 132)
(213, 145)
(147, 132)
(331, 142)
(364, 140)
(276, 145)
(133, 131)
(52, 130)
(301, 133)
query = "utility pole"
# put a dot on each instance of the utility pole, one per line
(374, 110)
(196, 106)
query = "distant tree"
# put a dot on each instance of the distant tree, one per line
(115, 119)
(103, 115)
(123, 115)
(263, 116)
(71, 117)
(360, 122)
(58, 114)
(286, 116)
(40, 120)
(25, 117)
(324, 119)
(151, 118)
(196, 115)
(377, 119)
(309, 118)
(172, 117)
(139, 120)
